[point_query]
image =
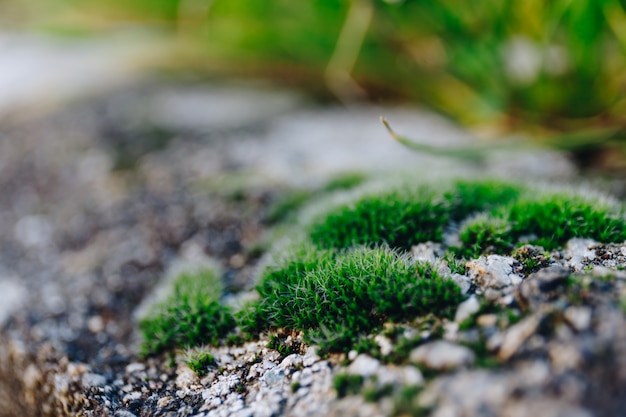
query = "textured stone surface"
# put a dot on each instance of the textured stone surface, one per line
(98, 202)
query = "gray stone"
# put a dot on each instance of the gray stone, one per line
(91, 380)
(124, 413)
(540, 286)
(364, 365)
(466, 309)
(578, 250)
(578, 317)
(517, 334)
(442, 355)
(274, 376)
(13, 295)
(427, 251)
(464, 282)
(493, 272)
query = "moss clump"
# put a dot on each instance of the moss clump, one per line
(346, 384)
(399, 218)
(199, 362)
(547, 220)
(407, 215)
(485, 234)
(469, 197)
(192, 315)
(337, 297)
(280, 344)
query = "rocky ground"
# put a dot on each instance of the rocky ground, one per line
(99, 198)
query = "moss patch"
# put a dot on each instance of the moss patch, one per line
(351, 273)
(199, 362)
(547, 220)
(192, 315)
(337, 297)
(346, 384)
(407, 215)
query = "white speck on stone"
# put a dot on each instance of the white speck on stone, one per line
(211, 400)
(124, 413)
(245, 412)
(310, 357)
(225, 359)
(364, 365)
(466, 309)
(274, 376)
(135, 395)
(450, 331)
(291, 362)
(442, 355)
(12, 297)
(164, 401)
(135, 367)
(185, 377)
(95, 324)
(306, 377)
(33, 230)
(427, 251)
(493, 271)
(577, 250)
(578, 317)
(463, 281)
(384, 344)
(412, 376)
(91, 380)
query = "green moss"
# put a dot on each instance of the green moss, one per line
(337, 297)
(279, 343)
(346, 384)
(405, 403)
(556, 218)
(469, 197)
(192, 315)
(547, 220)
(407, 215)
(373, 394)
(399, 218)
(344, 181)
(457, 266)
(531, 258)
(485, 234)
(200, 361)
(350, 276)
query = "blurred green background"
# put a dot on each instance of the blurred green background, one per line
(554, 70)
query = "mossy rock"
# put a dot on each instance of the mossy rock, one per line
(350, 272)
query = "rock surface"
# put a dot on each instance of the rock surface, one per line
(99, 199)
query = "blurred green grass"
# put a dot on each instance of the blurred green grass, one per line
(498, 66)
